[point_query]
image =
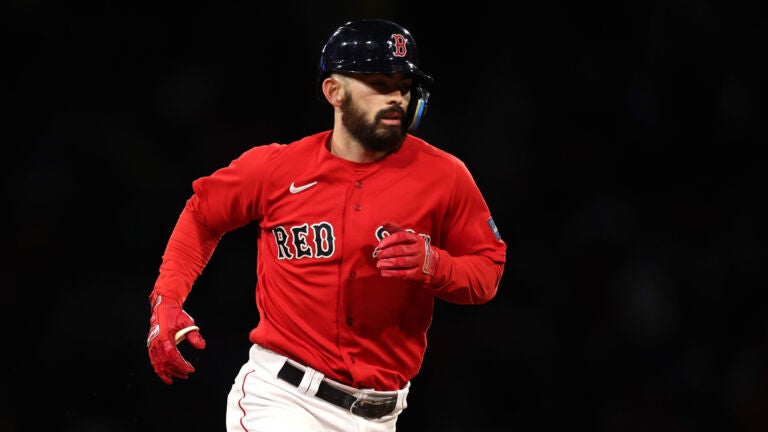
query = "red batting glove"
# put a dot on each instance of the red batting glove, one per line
(169, 324)
(406, 255)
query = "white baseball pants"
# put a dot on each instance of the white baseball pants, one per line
(261, 402)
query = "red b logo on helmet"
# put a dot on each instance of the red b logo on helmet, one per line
(399, 45)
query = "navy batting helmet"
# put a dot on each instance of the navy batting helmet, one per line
(376, 46)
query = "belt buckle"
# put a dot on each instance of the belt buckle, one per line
(380, 405)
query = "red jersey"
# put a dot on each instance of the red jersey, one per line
(320, 298)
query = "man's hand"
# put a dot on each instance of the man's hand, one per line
(169, 324)
(406, 255)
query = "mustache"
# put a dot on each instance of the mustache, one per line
(391, 110)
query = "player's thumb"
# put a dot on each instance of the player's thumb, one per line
(196, 340)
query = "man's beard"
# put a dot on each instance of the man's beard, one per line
(373, 136)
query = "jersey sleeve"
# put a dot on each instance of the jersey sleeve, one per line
(472, 253)
(221, 202)
(230, 197)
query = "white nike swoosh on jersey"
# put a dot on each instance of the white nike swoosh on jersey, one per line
(296, 189)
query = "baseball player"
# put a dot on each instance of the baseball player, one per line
(360, 229)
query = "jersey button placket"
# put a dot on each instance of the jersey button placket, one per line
(356, 223)
(357, 206)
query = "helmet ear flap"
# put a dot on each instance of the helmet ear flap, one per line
(417, 107)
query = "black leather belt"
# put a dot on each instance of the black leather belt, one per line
(366, 406)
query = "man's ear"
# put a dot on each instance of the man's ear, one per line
(333, 89)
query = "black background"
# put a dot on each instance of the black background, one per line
(617, 146)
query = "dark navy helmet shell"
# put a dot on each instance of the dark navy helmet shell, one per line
(372, 46)
(377, 46)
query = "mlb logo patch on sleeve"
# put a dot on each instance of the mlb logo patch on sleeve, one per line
(494, 228)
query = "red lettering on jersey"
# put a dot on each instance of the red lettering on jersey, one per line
(305, 241)
(382, 232)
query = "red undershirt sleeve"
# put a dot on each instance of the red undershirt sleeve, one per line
(189, 248)
(470, 279)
